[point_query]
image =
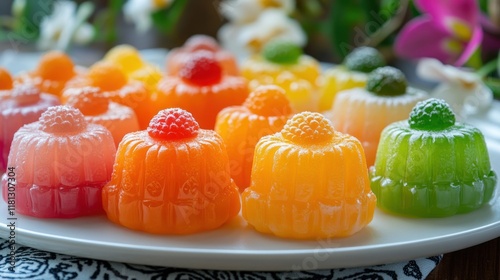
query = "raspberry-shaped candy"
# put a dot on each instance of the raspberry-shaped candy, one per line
(387, 81)
(62, 119)
(268, 101)
(201, 69)
(201, 42)
(308, 128)
(56, 65)
(126, 57)
(89, 100)
(364, 59)
(106, 76)
(281, 52)
(5, 79)
(431, 114)
(25, 94)
(173, 124)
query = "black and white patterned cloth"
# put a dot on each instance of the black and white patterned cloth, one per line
(41, 265)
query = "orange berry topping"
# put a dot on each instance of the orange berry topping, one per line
(106, 76)
(173, 124)
(5, 79)
(202, 69)
(269, 100)
(90, 101)
(124, 56)
(62, 119)
(308, 128)
(56, 65)
(25, 94)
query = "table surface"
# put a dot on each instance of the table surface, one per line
(479, 262)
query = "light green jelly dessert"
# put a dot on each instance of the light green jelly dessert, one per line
(432, 166)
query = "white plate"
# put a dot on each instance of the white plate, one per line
(237, 247)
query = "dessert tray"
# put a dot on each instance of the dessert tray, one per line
(388, 238)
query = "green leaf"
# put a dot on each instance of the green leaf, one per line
(165, 19)
(494, 85)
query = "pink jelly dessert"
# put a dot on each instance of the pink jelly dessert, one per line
(178, 56)
(97, 108)
(61, 163)
(23, 105)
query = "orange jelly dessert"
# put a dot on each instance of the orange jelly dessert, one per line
(24, 104)
(54, 70)
(61, 164)
(128, 59)
(365, 112)
(201, 88)
(282, 63)
(115, 85)
(178, 56)
(5, 82)
(309, 181)
(172, 178)
(97, 108)
(264, 112)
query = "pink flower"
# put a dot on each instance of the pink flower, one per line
(449, 30)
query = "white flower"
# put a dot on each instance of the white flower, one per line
(247, 39)
(462, 89)
(65, 25)
(245, 11)
(139, 12)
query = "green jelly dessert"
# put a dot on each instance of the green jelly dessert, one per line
(432, 166)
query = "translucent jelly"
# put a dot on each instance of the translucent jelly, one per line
(264, 112)
(309, 181)
(97, 108)
(61, 162)
(172, 178)
(365, 112)
(432, 166)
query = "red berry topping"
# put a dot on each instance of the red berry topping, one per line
(173, 124)
(202, 69)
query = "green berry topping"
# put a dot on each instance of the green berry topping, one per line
(386, 81)
(431, 114)
(282, 52)
(364, 59)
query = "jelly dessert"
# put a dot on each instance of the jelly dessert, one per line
(54, 70)
(352, 73)
(130, 62)
(5, 83)
(365, 112)
(177, 57)
(282, 63)
(24, 104)
(201, 88)
(432, 166)
(264, 112)
(309, 181)
(61, 164)
(172, 178)
(115, 85)
(97, 108)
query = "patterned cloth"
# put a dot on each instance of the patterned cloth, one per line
(35, 264)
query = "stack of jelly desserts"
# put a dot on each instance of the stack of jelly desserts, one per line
(283, 64)
(432, 166)
(54, 70)
(177, 57)
(98, 109)
(61, 162)
(352, 73)
(116, 86)
(128, 59)
(21, 105)
(264, 112)
(171, 179)
(201, 88)
(365, 112)
(309, 181)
